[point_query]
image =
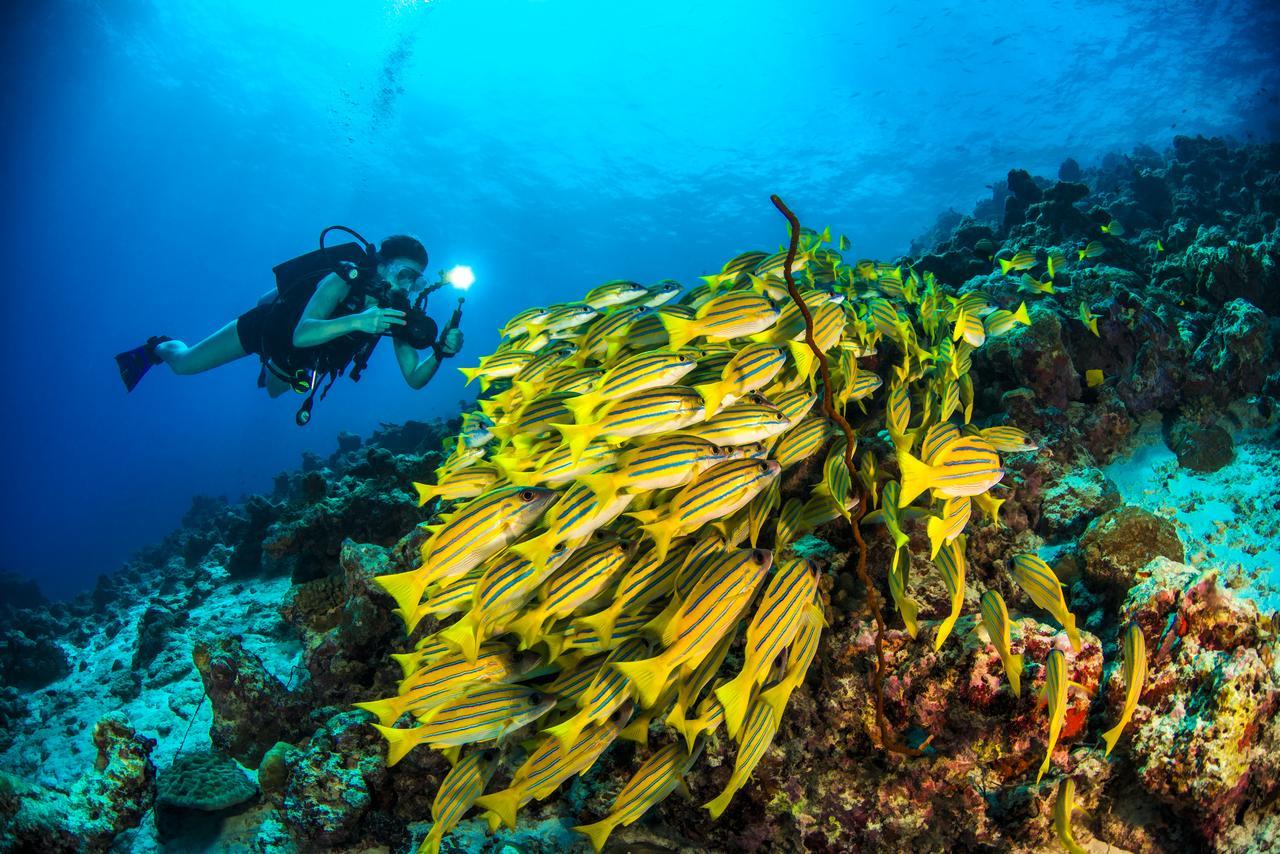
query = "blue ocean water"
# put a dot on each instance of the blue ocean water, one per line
(160, 158)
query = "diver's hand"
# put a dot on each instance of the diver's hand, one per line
(377, 320)
(451, 343)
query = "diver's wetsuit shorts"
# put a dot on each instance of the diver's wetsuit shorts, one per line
(250, 326)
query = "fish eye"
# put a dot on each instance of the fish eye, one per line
(535, 698)
(764, 466)
(757, 556)
(527, 495)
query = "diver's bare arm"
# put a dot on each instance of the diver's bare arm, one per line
(316, 327)
(417, 371)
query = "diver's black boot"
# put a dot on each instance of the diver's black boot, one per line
(136, 362)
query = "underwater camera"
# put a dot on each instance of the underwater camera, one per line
(419, 330)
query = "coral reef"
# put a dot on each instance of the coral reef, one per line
(273, 597)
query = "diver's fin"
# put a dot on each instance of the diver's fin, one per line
(133, 364)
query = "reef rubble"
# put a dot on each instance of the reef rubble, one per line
(244, 637)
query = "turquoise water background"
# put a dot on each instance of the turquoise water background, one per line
(162, 157)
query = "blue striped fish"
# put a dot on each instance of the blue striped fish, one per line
(801, 441)
(484, 714)
(575, 516)
(458, 791)
(1038, 581)
(741, 424)
(772, 628)
(712, 609)
(482, 528)
(1135, 675)
(750, 369)
(632, 375)
(653, 781)
(761, 727)
(995, 624)
(735, 314)
(964, 466)
(663, 409)
(951, 564)
(715, 494)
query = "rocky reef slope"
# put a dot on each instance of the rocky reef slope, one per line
(202, 695)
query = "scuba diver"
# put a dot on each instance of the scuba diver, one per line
(326, 314)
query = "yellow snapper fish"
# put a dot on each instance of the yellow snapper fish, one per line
(605, 695)
(645, 580)
(508, 581)
(481, 529)
(1054, 695)
(1135, 674)
(577, 514)
(484, 714)
(751, 368)
(588, 574)
(690, 683)
(899, 579)
(664, 463)
(465, 483)
(561, 317)
(735, 314)
(994, 623)
(800, 441)
(1063, 809)
(741, 424)
(951, 563)
(549, 765)
(962, 466)
(772, 628)
(1088, 318)
(1002, 321)
(1039, 582)
(799, 656)
(968, 325)
(1093, 250)
(663, 409)
(498, 366)
(617, 292)
(711, 610)
(716, 493)
(605, 336)
(761, 727)
(1032, 285)
(661, 293)
(950, 524)
(632, 375)
(656, 778)
(1023, 260)
(518, 325)
(458, 791)
(1007, 439)
(1114, 228)
(439, 682)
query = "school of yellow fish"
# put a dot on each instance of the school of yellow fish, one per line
(613, 519)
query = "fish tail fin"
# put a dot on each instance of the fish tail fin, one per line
(602, 624)
(1044, 766)
(528, 628)
(648, 677)
(399, 741)
(944, 631)
(471, 374)
(431, 842)
(598, 834)
(603, 484)
(776, 697)
(577, 436)
(1112, 736)
(408, 662)
(734, 696)
(937, 531)
(657, 627)
(492, 820)
(917, 476)
(568, 730)
(425, 492)
(712, 396)
(720, 803)
(464, 636)
(582, 406)
(1005, 264)
(1015, 674)
(804, 358)
(504, 804)
(537, 550)
(404, 587)
(1073, 633)
(662, 532)
(386, 711)
(528, 390)
(680, 330)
